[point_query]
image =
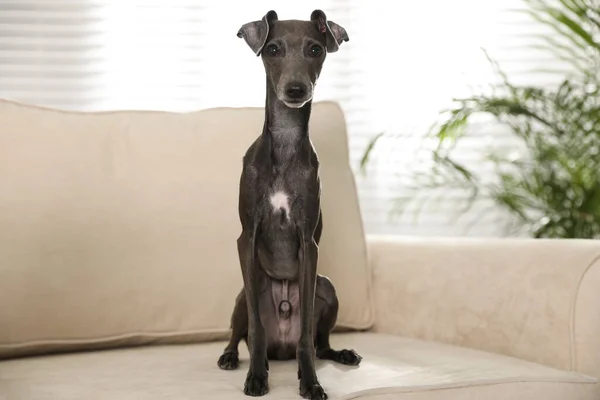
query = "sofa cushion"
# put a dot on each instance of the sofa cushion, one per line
(534, 299)
(392, 368)
(120, 228)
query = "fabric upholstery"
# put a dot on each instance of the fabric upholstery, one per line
(532, 299)
(120, 228)
(392, 368)
(585, 322)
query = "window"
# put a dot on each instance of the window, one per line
(404, 62)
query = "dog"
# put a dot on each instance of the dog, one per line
(285, 309)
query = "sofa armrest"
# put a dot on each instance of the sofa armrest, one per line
(538, 300)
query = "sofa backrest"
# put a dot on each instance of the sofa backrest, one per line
(120, 228)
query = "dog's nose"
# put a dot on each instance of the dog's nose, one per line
(295, 90)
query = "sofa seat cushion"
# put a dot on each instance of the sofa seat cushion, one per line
(392, 367)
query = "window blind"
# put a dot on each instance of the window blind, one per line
(404, 62)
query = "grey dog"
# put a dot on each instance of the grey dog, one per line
(285, 309)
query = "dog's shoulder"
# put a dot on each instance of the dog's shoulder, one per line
(252, 164)
(251, 155)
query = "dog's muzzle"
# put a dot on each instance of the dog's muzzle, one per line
(296, 91)
(296, 94)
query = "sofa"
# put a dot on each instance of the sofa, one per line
(119, 270)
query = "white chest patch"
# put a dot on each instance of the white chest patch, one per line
(280, 200)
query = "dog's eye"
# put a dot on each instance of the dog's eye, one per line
(315, 51)
(272, 50)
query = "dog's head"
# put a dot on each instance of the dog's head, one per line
(293, 52)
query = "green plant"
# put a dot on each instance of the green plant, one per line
(553, 188)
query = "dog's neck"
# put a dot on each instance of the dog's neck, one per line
(285, 127)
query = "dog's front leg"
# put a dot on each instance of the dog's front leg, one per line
(309, 384)
(257, 379)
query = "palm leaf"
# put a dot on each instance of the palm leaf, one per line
(371, 145)
(553, 190)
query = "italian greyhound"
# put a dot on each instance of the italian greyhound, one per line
(285, 309)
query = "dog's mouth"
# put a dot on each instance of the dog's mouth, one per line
(293, 103)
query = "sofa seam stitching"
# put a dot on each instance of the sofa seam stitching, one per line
(115, 111)
(445, 387)
(572, 330)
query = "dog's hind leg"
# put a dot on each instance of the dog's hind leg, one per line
(326, 305)
(239, 330)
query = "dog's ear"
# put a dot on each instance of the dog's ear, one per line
(334, 33)
(255, 33)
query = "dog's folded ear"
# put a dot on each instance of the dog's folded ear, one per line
(255, 33)
(334, 33)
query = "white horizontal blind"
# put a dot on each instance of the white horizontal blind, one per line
(177, 55)
(404, 62)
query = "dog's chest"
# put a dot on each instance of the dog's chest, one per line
(280, 202)
(281, 195)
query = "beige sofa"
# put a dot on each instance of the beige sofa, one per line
(118, 271)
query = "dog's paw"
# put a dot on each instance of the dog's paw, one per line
(228, 361)
(312, 391)
(348, 357)
(256, 385)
